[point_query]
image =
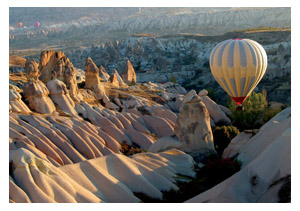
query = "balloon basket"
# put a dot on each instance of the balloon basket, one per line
(240, 108)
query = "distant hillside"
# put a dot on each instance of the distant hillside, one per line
(69, 27)
(16, 61)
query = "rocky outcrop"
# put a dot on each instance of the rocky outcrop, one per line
(71, 82)
(114, 80)
(57, 61)
(121, 82)
(193, 127)
(128, 73)
(16, 103)
(60, 96)
(92, 80)
(52, 61)
(215, 112)
(103, 74)
(35, 91)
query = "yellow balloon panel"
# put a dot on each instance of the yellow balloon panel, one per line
(238, 65)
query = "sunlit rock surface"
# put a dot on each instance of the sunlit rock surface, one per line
(113, 178)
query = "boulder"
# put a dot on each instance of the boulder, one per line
(189, 96)
(128, 73)
(193, 127)
(203, 92)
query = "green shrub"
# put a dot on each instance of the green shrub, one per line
(270, 113)
(249, 118)
(173, 79)
(222, 137)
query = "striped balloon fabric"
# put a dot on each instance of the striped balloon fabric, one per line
(238, 65)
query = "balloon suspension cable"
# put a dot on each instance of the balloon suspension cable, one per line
(240, 107)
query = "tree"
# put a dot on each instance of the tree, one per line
(222, 137)
(173, 79)
(251, 116)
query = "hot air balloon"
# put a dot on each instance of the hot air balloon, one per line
(37, 24)
(238, 65)
(20, 24)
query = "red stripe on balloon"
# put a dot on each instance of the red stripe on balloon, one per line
(239, 100)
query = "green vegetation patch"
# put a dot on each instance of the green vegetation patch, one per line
(222, 137)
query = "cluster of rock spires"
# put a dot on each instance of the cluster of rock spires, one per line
(64, 147)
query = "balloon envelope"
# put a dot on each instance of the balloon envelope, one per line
(20, 24)
(37, 24)
(238, 65)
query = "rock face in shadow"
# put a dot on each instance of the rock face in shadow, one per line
(35, 91)
(128, 73)
(193, 127)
